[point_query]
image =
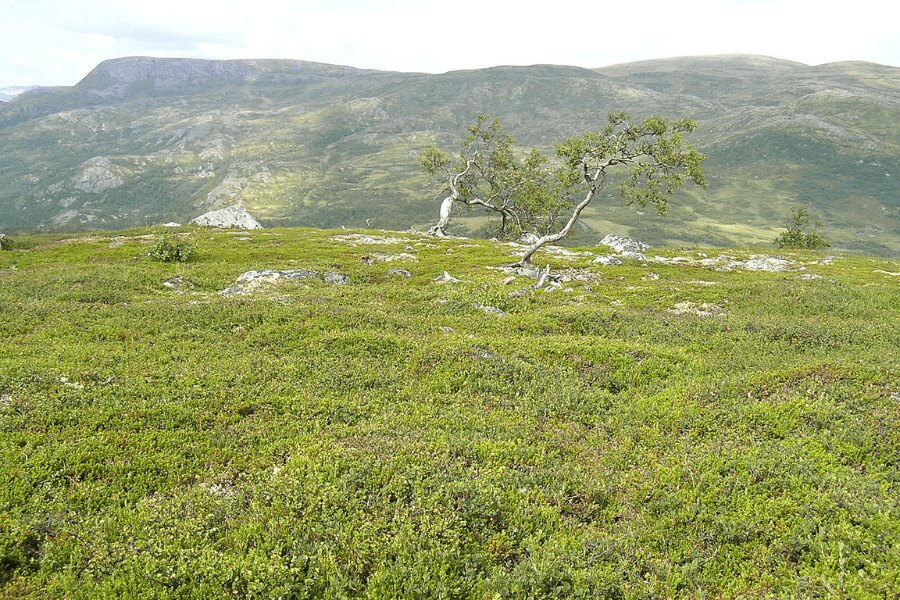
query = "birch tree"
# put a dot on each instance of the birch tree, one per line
(482, 174)
(653, 155)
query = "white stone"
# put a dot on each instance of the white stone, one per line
(623, 244)
(609, 260)
(231, 217)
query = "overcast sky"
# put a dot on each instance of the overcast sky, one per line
(56, 42)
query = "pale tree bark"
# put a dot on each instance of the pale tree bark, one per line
(440, 228)
(595, 182)
(455, 195)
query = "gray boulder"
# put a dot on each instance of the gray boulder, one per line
(623, 244)
(609, 260)
(231, 217)
(770, 264)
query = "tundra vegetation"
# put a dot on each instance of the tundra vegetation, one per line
(644, 431)
(531, 196)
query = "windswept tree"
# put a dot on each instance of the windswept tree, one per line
(534, 195)
(653, 154)
(483, 173)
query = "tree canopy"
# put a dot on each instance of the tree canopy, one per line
(533, 193)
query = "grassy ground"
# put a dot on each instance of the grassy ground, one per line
(387, 438)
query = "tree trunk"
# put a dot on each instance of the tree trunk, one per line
(555, 237)
(440, 229)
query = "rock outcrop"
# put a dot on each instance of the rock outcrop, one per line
(231, 217)
(252, 280)
(97, 176)
(623, 244)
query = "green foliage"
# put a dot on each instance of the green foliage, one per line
(797, 234)
(654, 153)
(531, 194)
(5, 243)
(388, 439)
(172, 249)
(302, 149)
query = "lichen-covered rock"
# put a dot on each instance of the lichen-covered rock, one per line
(763, 263)
(336, 278)
(231, 217)
(705, 309)
(491, 310)
(446, 278)
(623, 244)
(251, 280)
(608, 260)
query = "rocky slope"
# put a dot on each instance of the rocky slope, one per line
(143, 140)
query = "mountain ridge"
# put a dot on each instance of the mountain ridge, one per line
(325, 145)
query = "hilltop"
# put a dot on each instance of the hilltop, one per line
(144, 140)
(366, 427)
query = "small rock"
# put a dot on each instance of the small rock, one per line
(354, 239)
(633, 256)
(178, 283)
(171, 224)
(509, 280)
(336, 278)
(809, 276)
(71, 384)
(393, 257)
(485, 354)
(251, 280)
(675, 260)
(400, 272)
(446, 278)
(446, 329)
(609, 260)
(651, 276)
(769, 264)
(623, 244)
(704, 309)
(491, 310)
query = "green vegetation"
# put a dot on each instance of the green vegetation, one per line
(531, 195)
(5, 243)
(169, 249)
(389, 439)
(797, 234)
(321, 146)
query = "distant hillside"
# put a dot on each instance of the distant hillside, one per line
(8, 93)
(145, 140)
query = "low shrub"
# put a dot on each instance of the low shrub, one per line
(168, 249)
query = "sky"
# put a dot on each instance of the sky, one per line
(57, 42)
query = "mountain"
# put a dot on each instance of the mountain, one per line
(148, 140)
(8, 93)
